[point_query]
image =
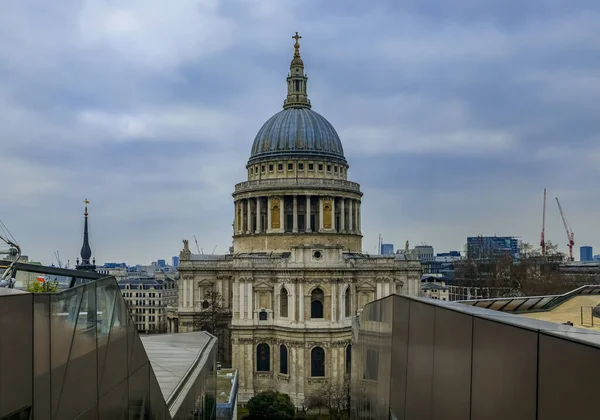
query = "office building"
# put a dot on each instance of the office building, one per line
(586, 254)
(484, 247)
(387, 249)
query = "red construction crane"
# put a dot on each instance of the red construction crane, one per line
(570, 234)
(543, 240)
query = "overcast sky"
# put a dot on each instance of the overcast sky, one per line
(454, 116)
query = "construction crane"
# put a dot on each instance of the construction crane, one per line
(570, 234)
(543, 239)
(57, 255)
(197, 247)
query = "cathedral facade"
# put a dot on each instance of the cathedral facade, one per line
(297, 275)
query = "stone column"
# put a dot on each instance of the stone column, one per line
(247, 210)
(307, 215)
(184, 292)
(350, 216)
(342, 216)
(234, 304)
(333, 226)
(320, 214)
(258, 226)
(268, 215)
(295, 215)
(301, 303)
(250, 296)
(240, 290)
(235, 217)
(282, 214)
(333, 302)
(358, 217)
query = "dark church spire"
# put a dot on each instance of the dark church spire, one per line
(86, 250)
(296, 81)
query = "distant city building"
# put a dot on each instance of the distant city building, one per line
(387, 249)
(114, 265)
(447, 256)
(596, 257)
(434, 287)
(482, 247)
(176, 261)
(148, 300)
(424, 253)
(161, 263)
(586, 253)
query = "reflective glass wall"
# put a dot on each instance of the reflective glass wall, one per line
(76, 354)
(419, 359)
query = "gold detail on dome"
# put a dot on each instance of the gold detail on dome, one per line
(275, 219)
(327, 222)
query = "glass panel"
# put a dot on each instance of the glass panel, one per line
(504, 372)
(41, 365)
(16, 352)
(113, 405)
(528, 304)
(139, 393)
(64, 313)
(80, 375)
(513, 304)
(157, 401)
(112, 337)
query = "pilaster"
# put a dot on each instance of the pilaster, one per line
(307, 215)
(258, 226)
(295, 215)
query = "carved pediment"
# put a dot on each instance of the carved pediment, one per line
(205, 282)
(365, 287)
(263, 285)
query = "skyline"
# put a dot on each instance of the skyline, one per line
(453, 117)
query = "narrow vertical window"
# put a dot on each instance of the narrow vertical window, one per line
(317, 362)
(316, 304)
(263, 358)
(284, 303)
(283, 359)
(347, 302)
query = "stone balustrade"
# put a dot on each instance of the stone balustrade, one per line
(267, 184)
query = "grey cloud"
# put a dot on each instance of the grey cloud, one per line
(454, 115)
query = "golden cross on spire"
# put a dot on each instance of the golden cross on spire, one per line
(86, 201)
(296, 45)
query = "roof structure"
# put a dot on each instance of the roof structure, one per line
(174, 358)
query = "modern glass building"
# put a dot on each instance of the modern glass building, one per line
(76, 354)
(483, 247)
(586, 253)
(422, 359)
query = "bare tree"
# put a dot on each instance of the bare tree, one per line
(333, 396)
(213, 317)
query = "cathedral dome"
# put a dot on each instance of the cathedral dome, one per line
(297, 132)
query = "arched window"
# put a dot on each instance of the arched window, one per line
(317, 362)
(263, 358)
(284, 303)
(348, 359)
(283, 359)
(316, 304)
(347, 302)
